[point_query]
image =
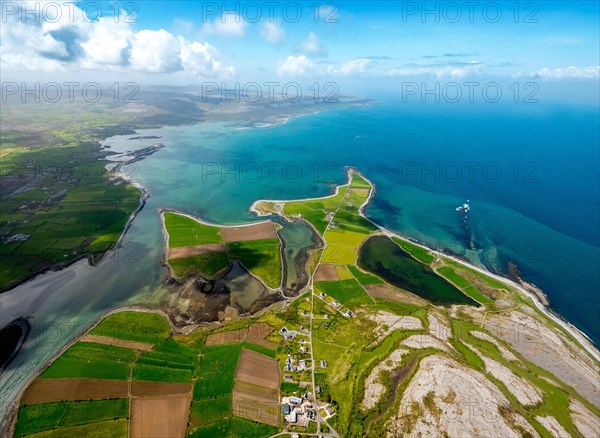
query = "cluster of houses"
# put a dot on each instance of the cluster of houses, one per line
(299, 411)
(291, 367)
(288, 335)
(337, 306)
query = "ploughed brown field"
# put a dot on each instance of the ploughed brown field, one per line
(361, 192)
(256, 403)
(265, 230)
(256, 388)
(52, 390)
(161, 416)
(107, 340)
(187, 251)
(142, 389)
(326, 272)
(254, 334)
(387, 292)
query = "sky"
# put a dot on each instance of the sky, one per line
(357, 44)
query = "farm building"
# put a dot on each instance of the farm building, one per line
(295, 400)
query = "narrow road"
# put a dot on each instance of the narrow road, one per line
(333, 432)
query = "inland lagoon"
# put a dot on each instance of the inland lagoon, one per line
(383, 257)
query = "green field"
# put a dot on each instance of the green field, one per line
(101, 429)
(93, 351)
(216, 370)
(134, 326)
(210, 410)
(347, 292)
(462, 283)
(94, 369)
(261, 257)
(418, 252)
(364, 278)
(184, 231)
(289, 388)
(234, 428)
(169, 361)
(178, 349)
(207, 265)
(46, 416)
(172, 354)
(162, 374)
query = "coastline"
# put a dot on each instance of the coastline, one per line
(577, 334)
(93, 258)
(584, 341)
(9, 419)
(164, 259)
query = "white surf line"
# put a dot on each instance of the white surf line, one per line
(162, 211)
(579, 336)
(336, 192)
(166, 246)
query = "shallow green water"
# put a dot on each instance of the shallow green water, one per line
(298, 238)
(382, 257)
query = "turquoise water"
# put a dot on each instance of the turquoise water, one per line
(541, 213)
(530, 175)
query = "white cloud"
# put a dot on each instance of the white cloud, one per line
(572, 72)
(229, 25)
(272, 32)
(108, 43)
(356, 66)
(155, 51)
(199, 59)
(452, 70)
(296, 66)
(312, 46)
(75, 44)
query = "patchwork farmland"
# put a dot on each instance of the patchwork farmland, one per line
(256, 389)
(197, 248)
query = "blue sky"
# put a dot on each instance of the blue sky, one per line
(346, 41)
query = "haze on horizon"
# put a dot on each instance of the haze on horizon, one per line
(365, 48)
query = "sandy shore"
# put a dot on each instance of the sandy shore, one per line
(162, 211)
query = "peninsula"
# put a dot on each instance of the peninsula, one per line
(318, 321)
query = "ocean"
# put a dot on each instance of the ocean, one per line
(530, 175)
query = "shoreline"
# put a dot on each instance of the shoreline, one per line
(165, 260)
(93, 258)
(9, 420)
(584, 341)
(580, 337)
